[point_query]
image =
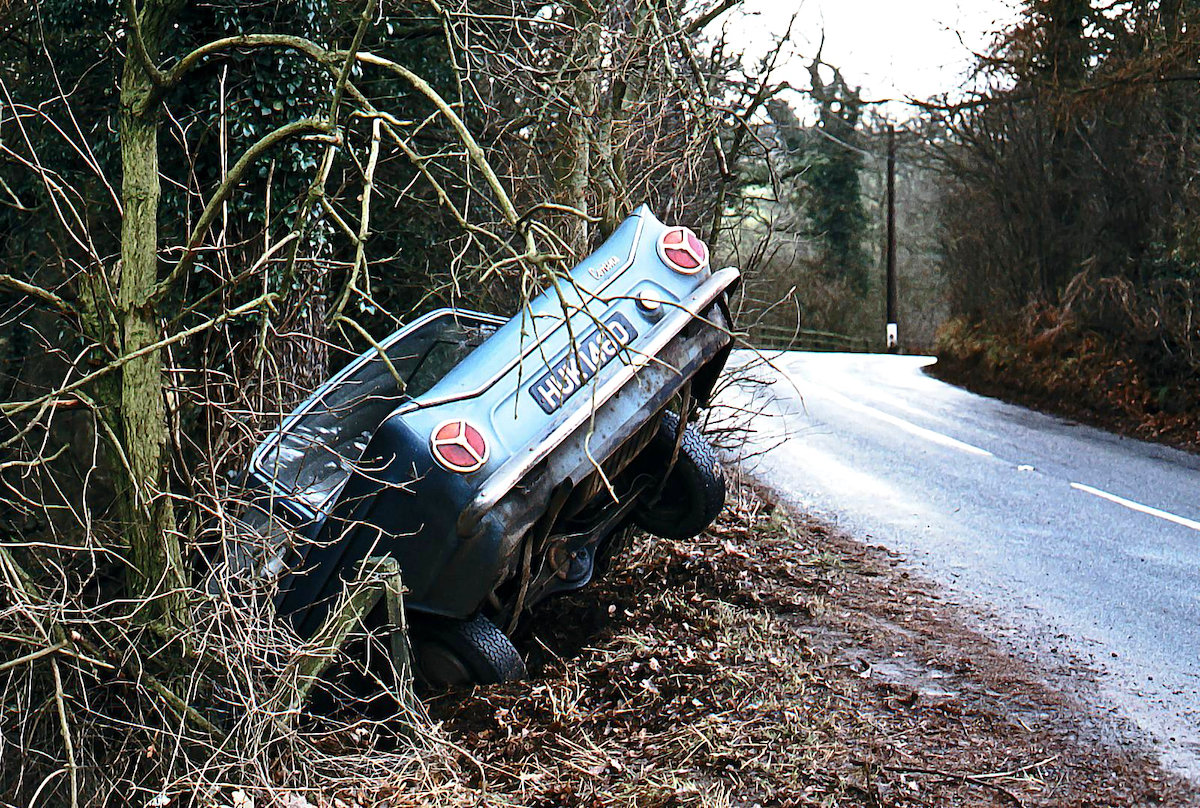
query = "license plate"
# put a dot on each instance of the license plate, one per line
(574, 370)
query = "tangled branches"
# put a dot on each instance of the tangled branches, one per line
(204, 212)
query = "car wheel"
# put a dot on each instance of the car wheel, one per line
(693, 494)
(463, 652)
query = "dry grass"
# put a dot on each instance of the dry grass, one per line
(686, 697)
(770, 662)
(757, 665)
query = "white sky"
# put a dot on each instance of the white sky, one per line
(892, 48)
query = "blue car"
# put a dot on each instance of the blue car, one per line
(498, 460)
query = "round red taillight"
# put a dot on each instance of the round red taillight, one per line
(682, 250)
(458, 446)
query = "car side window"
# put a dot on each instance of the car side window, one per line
(315, 450)
(451, 346)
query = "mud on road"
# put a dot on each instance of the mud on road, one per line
(774, 662)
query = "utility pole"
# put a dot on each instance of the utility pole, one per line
(893, 331)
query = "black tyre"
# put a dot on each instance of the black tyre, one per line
(463, 652)
(692, 495)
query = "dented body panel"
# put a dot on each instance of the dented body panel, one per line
(534, 406)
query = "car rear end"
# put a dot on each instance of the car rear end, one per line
(538, 418)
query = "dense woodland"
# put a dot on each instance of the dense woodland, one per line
(1070, 226)
(205, 208)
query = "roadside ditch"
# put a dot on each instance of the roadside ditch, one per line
(776, 662)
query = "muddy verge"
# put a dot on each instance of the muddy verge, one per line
(774, 662)
(1082, 377)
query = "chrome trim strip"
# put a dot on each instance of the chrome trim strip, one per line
(524, 459)
(412, 406)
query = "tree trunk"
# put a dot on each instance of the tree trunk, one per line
(579, 139)
(157, 573)
(627, 91)
(604, 172)
(1065, 71)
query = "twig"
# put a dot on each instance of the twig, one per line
(226, 188)
(65, 727)
(13, 663)
(364, 226)
(464, 134)
(378, 577)
(44, 295)
(379, 349)
(973, 779)
(178, 704)
(15, 407)
(343, 78)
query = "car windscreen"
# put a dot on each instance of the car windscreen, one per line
(311, 455)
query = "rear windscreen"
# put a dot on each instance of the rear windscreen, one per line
(311, 456)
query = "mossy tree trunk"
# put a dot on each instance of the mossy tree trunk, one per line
(586, 63)
(157, 573)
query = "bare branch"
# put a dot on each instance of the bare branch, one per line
(138, 44)
(12, 408)
(227, 186)
(44, 295)
(704, 19)
(464, 134)
(221, 47)
(339, 86)
(364, 224)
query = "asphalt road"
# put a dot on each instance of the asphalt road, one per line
(1079, 543)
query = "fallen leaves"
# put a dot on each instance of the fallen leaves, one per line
(753, 666)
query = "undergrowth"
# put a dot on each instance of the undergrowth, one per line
(692, 692)
(1054, 364)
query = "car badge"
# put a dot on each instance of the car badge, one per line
(682, 250)
(458, 446)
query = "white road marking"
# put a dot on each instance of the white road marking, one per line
(900, 405)
(919, 431)
(1137, 506)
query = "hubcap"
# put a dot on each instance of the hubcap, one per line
(441, 666)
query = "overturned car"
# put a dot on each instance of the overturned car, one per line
(498, 461)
